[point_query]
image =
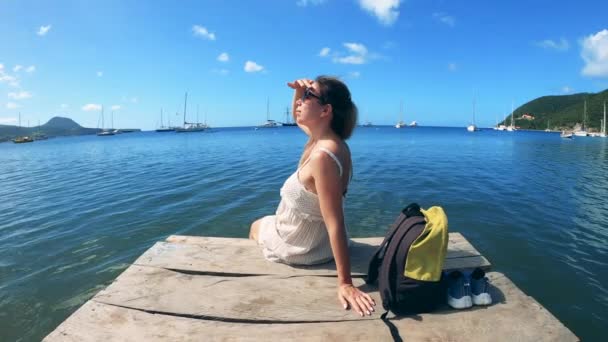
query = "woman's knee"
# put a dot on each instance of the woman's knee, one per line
(254, 230)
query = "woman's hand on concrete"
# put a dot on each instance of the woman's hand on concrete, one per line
(356, 299)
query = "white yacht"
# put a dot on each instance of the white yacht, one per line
(400, 124)
(269, 123)
(583, 131)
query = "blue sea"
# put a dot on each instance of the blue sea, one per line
(76, 211)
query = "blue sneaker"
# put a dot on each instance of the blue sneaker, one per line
(479, 288)
(459, 291)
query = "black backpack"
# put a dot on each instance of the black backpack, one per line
(401, 294)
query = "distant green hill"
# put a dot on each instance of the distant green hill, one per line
(57, 126)
(561, 112)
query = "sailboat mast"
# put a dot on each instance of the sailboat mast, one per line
(401, 111)
(604, 128)
(161, 118)
(267, 109)
(585, 115)
(102, 122)
(474, 103)
(185, 102)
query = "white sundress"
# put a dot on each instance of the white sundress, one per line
(297, 234)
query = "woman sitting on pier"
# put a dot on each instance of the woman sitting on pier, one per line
(309, 227)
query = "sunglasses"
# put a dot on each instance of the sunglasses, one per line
(308, 94)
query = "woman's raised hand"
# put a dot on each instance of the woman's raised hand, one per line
(358, 300)
(300, 86)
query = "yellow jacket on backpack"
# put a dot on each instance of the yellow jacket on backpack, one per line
(426, 255)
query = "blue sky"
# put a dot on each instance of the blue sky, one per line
(68, 58)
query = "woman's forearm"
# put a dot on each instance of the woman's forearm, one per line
(339, 247)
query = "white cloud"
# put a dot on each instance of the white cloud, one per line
(22, 95)
(17, 68)
(386, 11)
(354, 74)
(444, 18)
(30, 69)
(567, 90)
(350, 60)
(304, 3)
(356, 48)
(324, 52)
(253, 67)
(561, 45)
(12, 105)
(357, 54)
(452, 66)
(11, 80)
(43, 30)
(202, 32)
(91, 107)
(223, 57)
(7, 121)
(99, 73)
(115, 107)
(1, 67)
(220, 71)
(595, 54)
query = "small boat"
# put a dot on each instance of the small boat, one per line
(512, 128)
(400, 124)
(162, 127)
(190, 126)
(24, 138)
(288, 122)
(104, 132)
(472, 127)
(367, 124)
(581, 133)
(269, 123)
(566, 135)
(413, 124)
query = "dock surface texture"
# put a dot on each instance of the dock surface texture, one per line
(206, 289)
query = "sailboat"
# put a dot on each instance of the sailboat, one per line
(162, 127)
(400, 124)
(472, 127)
(512, 128)
(603, 133)
(583, 131)
(269, 123)
(288, 121)
(115, 130)
(38, 135)
(104, 132)
(189, 126)
(24, 138)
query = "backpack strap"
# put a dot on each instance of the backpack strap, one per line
(372, 273)
(386, 289)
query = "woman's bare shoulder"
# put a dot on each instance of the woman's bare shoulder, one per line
(334, 146)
